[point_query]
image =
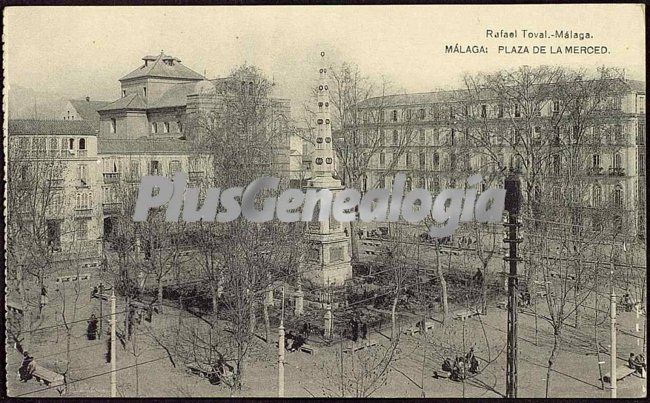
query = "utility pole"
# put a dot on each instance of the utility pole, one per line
(113, 350)
(612, 372)
(512, 207)
(101, 309)
(281, 351)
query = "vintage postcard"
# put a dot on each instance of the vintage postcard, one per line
(397, 201)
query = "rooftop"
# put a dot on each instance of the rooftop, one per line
(50, 127)
(129, 102)
(423, 98)
(87, 109)
(142, 145)
(163, 66)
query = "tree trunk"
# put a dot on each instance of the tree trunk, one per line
(576, 296)
(354, 243)
(267, 323)
(551, 359)
(160, 296)
(215, 298)
(393, 318)
(251, 317)
(26, 320)
(443, 286)
(484, 305)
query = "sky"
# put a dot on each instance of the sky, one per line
(83, 51)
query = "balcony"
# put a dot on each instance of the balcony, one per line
(595, 171)
(617, 171)
(83, 212)
(111, 177)
(112, 207)
(57, 183)
(195, 176)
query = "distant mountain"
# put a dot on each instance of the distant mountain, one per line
(26, 103)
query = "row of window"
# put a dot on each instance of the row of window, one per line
(84, 201)
(602, 134)
(164, 127)
(452, 111)
(156, 127)
(52, 143)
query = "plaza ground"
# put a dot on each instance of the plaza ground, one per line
(576, 372)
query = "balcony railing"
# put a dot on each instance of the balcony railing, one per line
(111, 177)
(597, 170)
(195, 176)
(57, 183)
(83, 212)
(617, 171)
(112, 207)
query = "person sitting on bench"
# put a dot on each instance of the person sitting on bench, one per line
(458, 371)
(446, 365)
(218, 371)
(630, 361)
(639, 363)
(26, 367)
(289, 341)
(298, 342)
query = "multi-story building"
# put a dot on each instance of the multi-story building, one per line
(439, 138)
(54, 186)
(150, 130)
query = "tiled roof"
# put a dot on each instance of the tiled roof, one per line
(143, 145)
(175, 96)
(423, 98)
(87, 110)
(129, 102)
(420, 98)
(50, 127)
(157, 68)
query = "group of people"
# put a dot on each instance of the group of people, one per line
(637, 363)
(293, 342)
(461, 365)
(358, 328)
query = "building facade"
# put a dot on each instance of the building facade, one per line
(99, 148)
(54, 192)
(438, 139)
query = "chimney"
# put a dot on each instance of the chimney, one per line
(87, 99)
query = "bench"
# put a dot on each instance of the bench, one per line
(622, 371)
(464, 314)
(306, 348)
(44, 375)
(14, 307)
(201, 370)
(360, 347)
(204, 371)
(428, 325)
(441, 374)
